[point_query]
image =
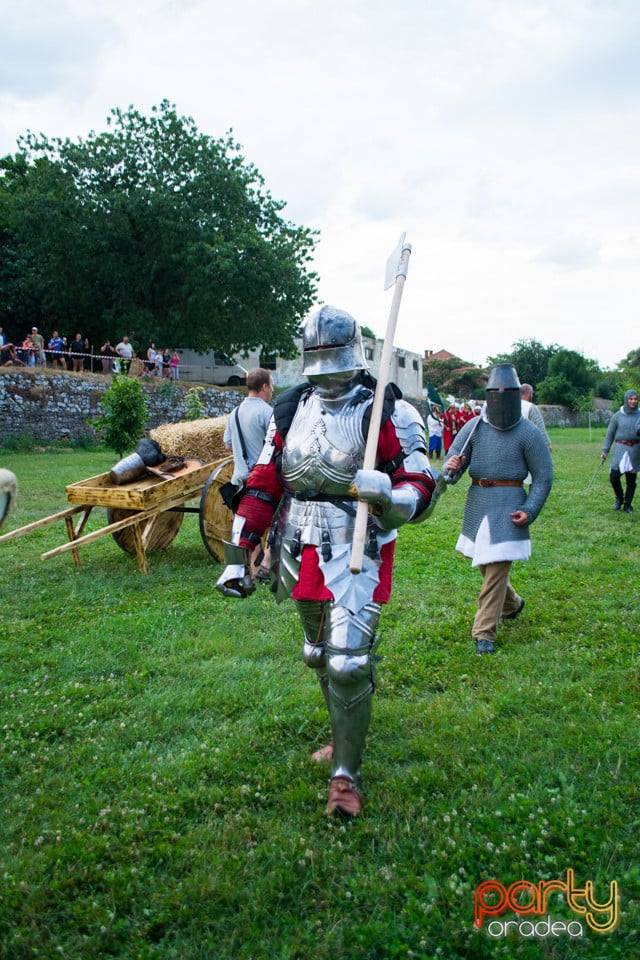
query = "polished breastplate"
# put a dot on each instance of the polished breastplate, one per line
(325, 444)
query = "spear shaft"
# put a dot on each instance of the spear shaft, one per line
(362, 512)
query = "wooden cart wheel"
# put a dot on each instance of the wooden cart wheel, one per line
(163, 531)
(215, 517)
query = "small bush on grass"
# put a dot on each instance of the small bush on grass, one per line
(126, 414)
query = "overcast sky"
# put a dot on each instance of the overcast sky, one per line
(502, 135)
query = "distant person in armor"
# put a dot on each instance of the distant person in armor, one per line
(499, 448)
(306, 484)
(623, 433)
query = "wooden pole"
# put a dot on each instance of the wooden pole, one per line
(40, 523)
(362, 512)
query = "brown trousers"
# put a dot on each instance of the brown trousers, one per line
(497, 599)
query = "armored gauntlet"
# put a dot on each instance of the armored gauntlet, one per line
(391, 506)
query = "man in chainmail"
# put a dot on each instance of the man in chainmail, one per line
(623, 433)
(310, 472)
(499, 449)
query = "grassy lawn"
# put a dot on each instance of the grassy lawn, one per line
(157, 799)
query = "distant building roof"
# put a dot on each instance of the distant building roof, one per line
(440, 355)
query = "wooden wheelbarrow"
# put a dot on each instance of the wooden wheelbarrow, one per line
(145, 515)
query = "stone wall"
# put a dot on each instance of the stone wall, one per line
(552, 416)
(57, 406)
(563, 417)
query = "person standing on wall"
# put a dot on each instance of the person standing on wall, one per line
(108, 355)
(56, 350)
(77, 353)
(125, 353)
(38, 342)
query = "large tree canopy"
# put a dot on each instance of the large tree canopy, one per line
(570, 379)
(152, 229)
(453, 376)
(530, 358)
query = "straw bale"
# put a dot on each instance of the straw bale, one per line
(193, 438)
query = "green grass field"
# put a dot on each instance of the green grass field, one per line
(157, 799)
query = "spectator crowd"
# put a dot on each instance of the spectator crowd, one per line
(78, 355)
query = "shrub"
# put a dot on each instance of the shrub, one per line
(194, 407)
(125, 417)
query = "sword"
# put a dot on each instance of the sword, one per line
(597, 471)
(449, 477)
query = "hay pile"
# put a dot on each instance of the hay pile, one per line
(193, 438)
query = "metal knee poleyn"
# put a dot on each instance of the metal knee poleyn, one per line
(343, 643)
(350, 639)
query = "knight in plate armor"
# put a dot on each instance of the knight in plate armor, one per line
(305, 487)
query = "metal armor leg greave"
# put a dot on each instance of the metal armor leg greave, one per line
(340, 645)
(312, 616)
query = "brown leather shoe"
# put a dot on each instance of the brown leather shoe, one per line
(343, 798)
(324, 753)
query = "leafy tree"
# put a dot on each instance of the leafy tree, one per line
(453, 376)
(625, 383)
(530, 358)
(626, 376)
(607, 386)
(125, 416)
(153, 229)
(632, 359)
(571, 377)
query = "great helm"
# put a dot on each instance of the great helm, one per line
(331, 343)
(503, 396)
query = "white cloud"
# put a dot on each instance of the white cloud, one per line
(51, 48)
(570, 253)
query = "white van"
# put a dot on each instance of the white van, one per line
(211, 367)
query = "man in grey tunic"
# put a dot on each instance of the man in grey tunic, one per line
(499, 449)
(623, 433)
(247, 425)
(531, 412)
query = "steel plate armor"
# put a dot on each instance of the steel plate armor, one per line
(312, 467)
